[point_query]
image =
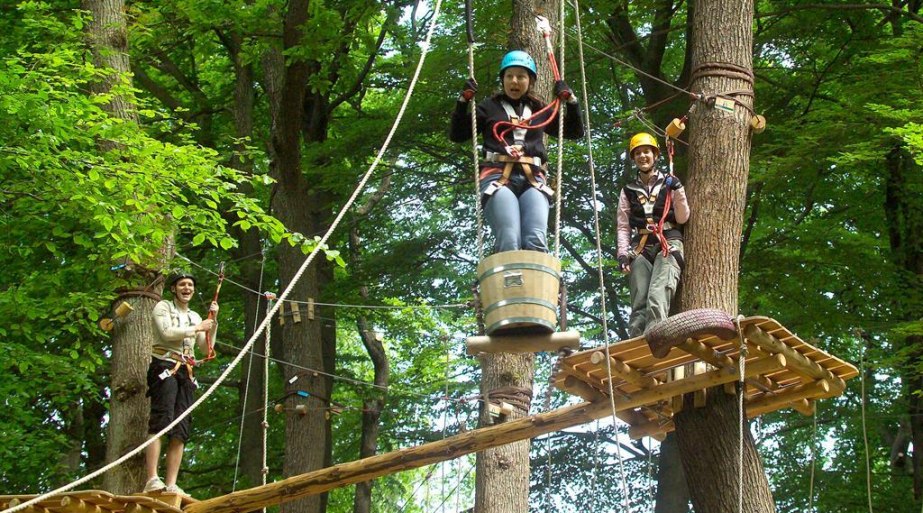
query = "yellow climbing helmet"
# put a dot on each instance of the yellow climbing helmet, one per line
(643, 139)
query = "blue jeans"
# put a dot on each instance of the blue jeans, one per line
(517, 214)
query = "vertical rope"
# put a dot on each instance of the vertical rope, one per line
(560, 172)
(865, 435)
(445, 417)
(742, 419)
(240, 436)
(476, 159)
(599, 251)
(264, 469)
(813, 461)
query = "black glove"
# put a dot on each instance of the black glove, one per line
(468, 90)
(624, 263)
(563, 91)
(672, 181)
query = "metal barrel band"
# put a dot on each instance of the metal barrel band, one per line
(520, 301)
(516, 267)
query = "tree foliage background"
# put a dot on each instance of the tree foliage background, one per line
(831, 246)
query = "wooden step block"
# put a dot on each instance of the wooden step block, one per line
(531, 343)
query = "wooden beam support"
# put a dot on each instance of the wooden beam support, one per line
(653, 429)
(574, 386)
(322, 480)
(796, 394)
(532, 343)
(624, 371)
(796, 361)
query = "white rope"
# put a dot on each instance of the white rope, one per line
(813, 460)
(741, 420)
(264, 469)
(865, 435)
(560, 172)
(240, 435)
(599, 251)
(475, 158)
(425, 46)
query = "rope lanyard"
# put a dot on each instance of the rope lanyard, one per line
(213, 316)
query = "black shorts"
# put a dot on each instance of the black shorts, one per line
(169, 398)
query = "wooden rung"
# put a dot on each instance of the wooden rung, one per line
(697, 382)
(705, 353)
(75, 505)
(532, 343)
(139, 508)
(796, 361)
(624, 371)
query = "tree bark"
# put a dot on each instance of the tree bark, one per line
(502, 474)
(129, 407)
(131, 336)
(718, 168)
(672, 492)
(902, 209)
(304, 210)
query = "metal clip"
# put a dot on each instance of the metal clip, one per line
(512, 280)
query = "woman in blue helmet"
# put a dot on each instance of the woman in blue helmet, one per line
(513, 168)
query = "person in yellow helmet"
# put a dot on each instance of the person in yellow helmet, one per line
(651, 213)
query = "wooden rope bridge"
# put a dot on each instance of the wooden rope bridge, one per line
(781, 371)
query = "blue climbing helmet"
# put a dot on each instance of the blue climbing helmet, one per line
(518, 58)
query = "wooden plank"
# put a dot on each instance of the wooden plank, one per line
(532, 343)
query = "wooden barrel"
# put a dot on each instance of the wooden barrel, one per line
(519, 292)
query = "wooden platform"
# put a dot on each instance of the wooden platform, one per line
(97, 501)
(783, 372)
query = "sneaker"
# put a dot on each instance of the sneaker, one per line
(154, 484)
(174, 489)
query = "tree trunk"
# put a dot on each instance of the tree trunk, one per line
(718, 168)
(131, 336)
(672, 492)
(252, 393)
(502, 474)
(129, 407)
(371, 408)
(303, 210)
(905, 221)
